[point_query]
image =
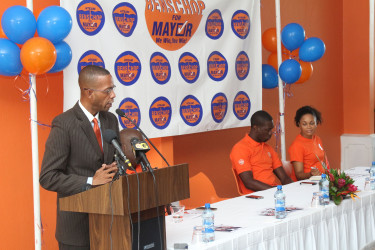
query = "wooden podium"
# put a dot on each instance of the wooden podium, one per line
(172, 185)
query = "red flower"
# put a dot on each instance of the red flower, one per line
(352, 188)
(331, 177)
(341, 183)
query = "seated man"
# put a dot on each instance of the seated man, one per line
(255, 162)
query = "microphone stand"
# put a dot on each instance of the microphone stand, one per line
(121, 171)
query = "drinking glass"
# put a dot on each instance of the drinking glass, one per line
(197, 235)
(178, 213)
(316, 199)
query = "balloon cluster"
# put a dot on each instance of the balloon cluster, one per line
(298, 53)
(38, 55)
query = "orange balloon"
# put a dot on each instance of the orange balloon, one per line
(38, 55)
(272, 60)
(307, 70)
(269, 40)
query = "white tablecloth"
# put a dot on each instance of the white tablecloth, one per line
(347, 226)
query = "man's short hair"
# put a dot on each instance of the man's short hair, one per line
(259, 118)
(89, 73)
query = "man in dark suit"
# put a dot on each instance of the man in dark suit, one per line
(75, 156)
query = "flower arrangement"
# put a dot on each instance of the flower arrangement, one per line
(340, 185)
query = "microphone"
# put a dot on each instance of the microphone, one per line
(121, 113)
(139, 149)
(110, 137)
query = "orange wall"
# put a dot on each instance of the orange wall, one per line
(358, 95)
(332, 89)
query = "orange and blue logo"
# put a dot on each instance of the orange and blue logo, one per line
(217, 66)
(219, 107)
(172, 24)
(160, 112)
(160, 68)
(131, 110)
(241, 23)
(191, 110)
(188, 65)
(214, 25)
(90, 57)
(90, 17)
(128, 68)
(242, 65)
(241, 105)
(125, 18)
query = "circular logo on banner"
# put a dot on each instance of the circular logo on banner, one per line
(125, 18)
(242, 65)
(172, 24)
(188, 65)
(191, 110)
(219, 107)
(127, 68)
(160, 112)
(214, 25)
(160, 68)
(217, 66)
(131, 110)
(241, 105)
(90, 17)
(90, 57)
(241, 23)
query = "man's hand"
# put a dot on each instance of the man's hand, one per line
(104, 174)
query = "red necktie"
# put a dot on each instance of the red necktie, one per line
(97, 133)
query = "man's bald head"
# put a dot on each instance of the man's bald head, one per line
(88, 75)
(260, 117)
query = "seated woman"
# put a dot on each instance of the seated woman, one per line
(306, 152)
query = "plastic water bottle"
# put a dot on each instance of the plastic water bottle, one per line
(324, 189)
(208, 224)
(280, 212)
(372, 176)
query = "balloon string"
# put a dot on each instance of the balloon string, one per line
(41, 124)
(24, 93)
(277, 135)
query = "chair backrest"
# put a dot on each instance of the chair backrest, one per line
(201, 191)
(287, 165)
(237, 178)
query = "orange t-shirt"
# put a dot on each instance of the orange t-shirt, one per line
(260, 158)
(308, 151)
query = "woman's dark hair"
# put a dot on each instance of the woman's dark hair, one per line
(307, 110)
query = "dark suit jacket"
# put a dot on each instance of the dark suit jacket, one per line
(72, 154)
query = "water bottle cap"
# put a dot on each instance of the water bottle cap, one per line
(279, 187)
(207, 205)
(373, 163)
(323, 175)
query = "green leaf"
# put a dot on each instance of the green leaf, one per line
(337, 199)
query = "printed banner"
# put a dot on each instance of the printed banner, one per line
(179, 66)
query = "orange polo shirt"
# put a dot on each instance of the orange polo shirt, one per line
(308, 151)
(260, 158)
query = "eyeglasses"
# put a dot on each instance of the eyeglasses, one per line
(105, 91)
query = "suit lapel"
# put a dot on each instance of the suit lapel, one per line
(87, 129)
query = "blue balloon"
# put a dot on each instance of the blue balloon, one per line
(54, 23)
(64, 57)
(290, 71)
(312, 49)
(292, 36)
(10, 62)
(18, 23)
(269, 77)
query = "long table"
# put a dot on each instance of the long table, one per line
(348, 226)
